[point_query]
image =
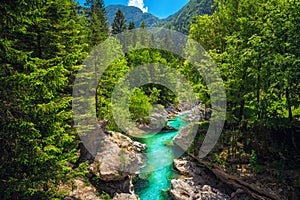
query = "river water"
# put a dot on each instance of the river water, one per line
(158, 172)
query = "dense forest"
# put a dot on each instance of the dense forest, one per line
(255, 45)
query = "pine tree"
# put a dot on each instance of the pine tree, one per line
(38, 59)
(97, 21)
(119, 23)
(143, 25)
(131, 25)
(143, 34)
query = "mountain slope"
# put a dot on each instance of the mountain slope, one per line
(181, 20)
(132, 13)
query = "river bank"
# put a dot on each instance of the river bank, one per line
(208, 179)
(243, 173)
(155, 178)
(200, 180)
(156, 169)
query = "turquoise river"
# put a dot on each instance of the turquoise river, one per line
(157, 174)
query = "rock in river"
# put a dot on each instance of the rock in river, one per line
(118, 156)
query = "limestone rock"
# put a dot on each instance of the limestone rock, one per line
(196, 184)
(185, 167)
(83, 190)
(117, 157)
(187, 189)
(125, 196)
(186, 136)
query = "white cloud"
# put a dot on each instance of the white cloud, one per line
(138, 3)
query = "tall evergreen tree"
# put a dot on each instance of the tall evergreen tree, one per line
(119, 23)
(41, 46)
(97, 25)
(97, 21)
(143, 25)
(143, 34)
(131, 25)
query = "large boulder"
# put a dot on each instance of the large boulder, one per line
(186, 136)
(114, 159)
(117, 157)
(186, 167)
(158, 121)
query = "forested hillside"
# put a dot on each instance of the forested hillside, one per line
(132, 14)
(182, 20)
(255, 45)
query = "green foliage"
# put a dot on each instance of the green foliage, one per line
(219, 160)
(253, 158)
(252, 44)
(81, 170)
(41, 47)
(105, 196)
(131, 25)
(139, 106)
(255, 44)
(97, 22)
(106, 86)
(257, 168)
(143, 25)
(119, 23)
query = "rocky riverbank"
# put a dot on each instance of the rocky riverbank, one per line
(118, 157)
(195, 182)
(237, 177)
(111, 171)
(158, 119)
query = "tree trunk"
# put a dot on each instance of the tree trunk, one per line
(39, 43)
(241, 113)
(288, 101)
(242, 101)
(258, 92)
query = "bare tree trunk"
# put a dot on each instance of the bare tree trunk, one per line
(288, 101)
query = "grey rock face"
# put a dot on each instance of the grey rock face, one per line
(117, 157)
(186, 136)
(186, 189)
(125, 196)
(195, 184)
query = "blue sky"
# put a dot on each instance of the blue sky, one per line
(159, 8)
